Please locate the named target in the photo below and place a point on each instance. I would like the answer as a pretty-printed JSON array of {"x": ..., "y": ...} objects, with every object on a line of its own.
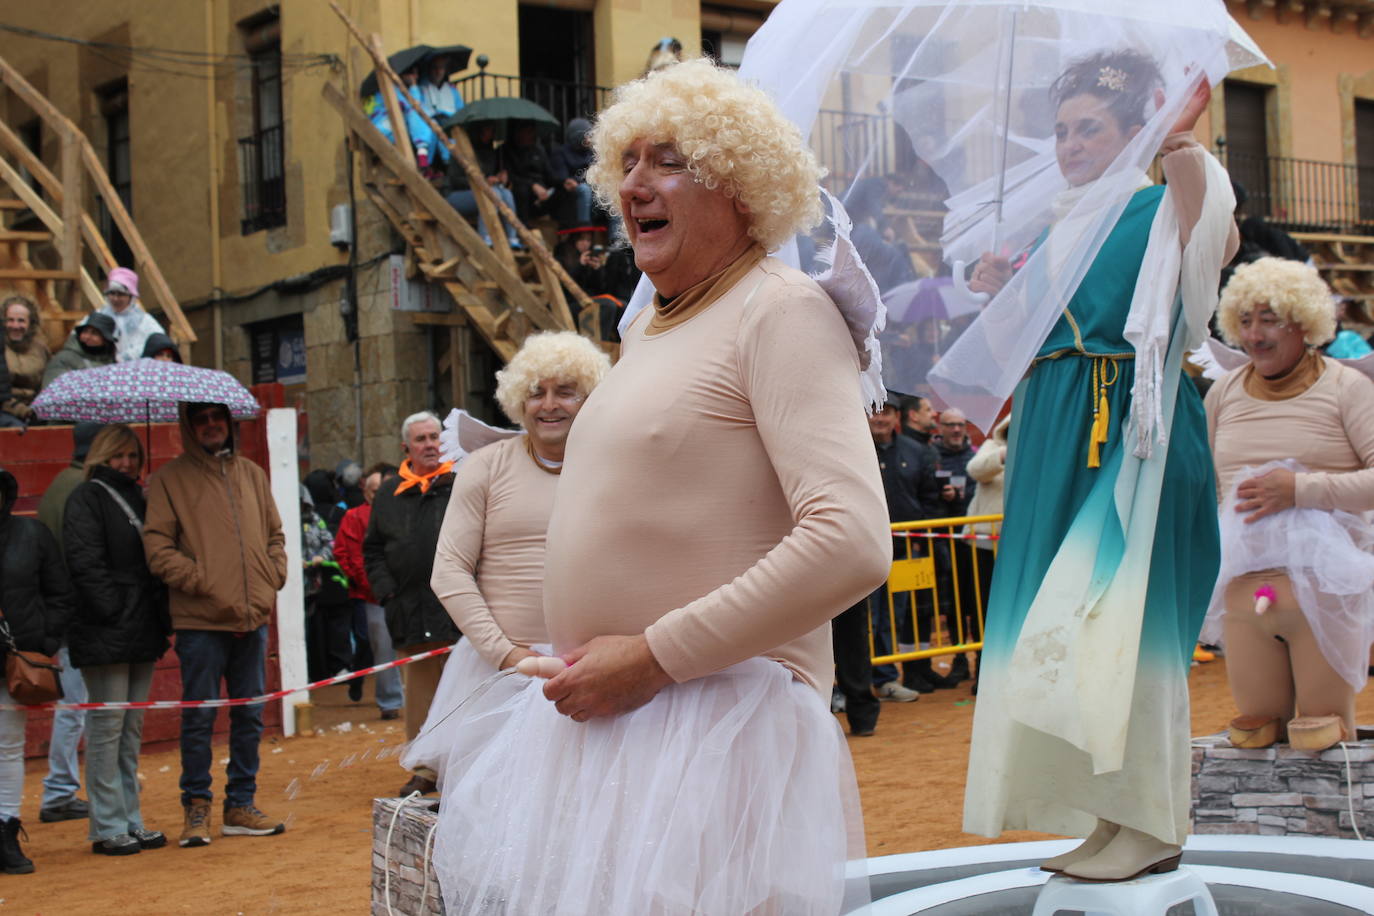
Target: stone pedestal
[
  {"x": 406, "y": 863},
  {"x": 1277, "y": 791}
]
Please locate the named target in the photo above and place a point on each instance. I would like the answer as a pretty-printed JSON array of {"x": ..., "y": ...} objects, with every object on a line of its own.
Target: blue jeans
[
  {"x": 882, "y": 630},
  {"x": 390, "y": 694},
  {"x": 465, "y": 202},
  {"x": 113, "y": 740},
  {"x": 240, "y": 659},
  {"x": 64, "y": 767}
]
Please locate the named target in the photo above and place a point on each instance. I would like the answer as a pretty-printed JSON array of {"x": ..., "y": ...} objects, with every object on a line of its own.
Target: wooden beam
[
  {"x": 71, "y": 212},
  {"x": 485, "y": 208},
  {"x": 34, "y": 273},
  {"x": 30, "y": 197},
  {"x": 448, "y": 319},
  {"x": 399, "y": 132}
]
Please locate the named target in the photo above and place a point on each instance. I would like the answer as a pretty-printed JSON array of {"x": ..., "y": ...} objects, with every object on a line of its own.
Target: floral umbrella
[{"x": 145, "y": 390}]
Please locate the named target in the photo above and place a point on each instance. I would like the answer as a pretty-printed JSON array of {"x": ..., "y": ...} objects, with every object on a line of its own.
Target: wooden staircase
[
  {"x": 51, "y": 248},
  {"x": 502, "y": 294},
  {"x": 1345, "y": 262}
]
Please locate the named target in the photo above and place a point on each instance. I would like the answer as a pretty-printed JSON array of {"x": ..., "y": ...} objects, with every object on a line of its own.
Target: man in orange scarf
[{"x": 398, "y": 552}]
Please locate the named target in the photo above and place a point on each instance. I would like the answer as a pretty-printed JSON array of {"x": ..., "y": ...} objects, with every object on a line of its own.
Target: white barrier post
[{"x": 286, "y": 490}]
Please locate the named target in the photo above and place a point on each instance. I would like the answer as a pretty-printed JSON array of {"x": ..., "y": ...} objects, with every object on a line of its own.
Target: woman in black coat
[
  {"x": 118, "y": 632},
  {"x": 36, "y": 600}
]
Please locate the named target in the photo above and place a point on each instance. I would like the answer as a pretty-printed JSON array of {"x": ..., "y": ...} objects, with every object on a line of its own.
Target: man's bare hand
[
  {"x": 1267, "y": 494},
  {"x": 606, "y": 677}
]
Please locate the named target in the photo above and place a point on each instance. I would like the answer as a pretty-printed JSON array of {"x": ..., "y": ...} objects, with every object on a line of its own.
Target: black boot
[
  {"x": 958, "y": 670},
  {"x": 12, "y": 858},
  {"x": 920, "y": 676}
]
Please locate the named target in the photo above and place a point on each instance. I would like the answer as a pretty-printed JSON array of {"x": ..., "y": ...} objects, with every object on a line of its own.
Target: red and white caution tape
[{"x": 237, "y": 701}]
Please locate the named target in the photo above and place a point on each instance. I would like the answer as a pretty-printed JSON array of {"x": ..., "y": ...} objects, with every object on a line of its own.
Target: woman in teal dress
[{"x": 1107, "y": 560}]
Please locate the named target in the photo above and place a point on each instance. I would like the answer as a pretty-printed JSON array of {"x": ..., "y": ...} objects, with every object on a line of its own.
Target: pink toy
[
  {"x": 540, "y": 666},
  {"x": 1264, "y": 598}
]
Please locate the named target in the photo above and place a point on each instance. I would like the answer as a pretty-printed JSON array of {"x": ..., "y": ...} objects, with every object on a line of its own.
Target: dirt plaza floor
[{"x": 911, "y": 775}]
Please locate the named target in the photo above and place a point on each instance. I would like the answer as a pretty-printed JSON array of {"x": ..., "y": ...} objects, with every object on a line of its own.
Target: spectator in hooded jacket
[
  {"x": 133, "y": 325},
  {"x": 26, "y": 356},
  {"x": 117, "y": 634},
  {"x": 36, "y": 600},
  {"x": 91, "y": 344},
  {"x": 214, "y": 536},
  {"x": 531, "y": 174},
  {"x": 398, "y": 551},
  {"x": 160, "y": 346},
  {"x": 348, "y": 550}
]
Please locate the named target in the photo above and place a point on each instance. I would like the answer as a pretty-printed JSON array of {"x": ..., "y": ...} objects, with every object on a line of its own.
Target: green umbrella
[{"x": 500, "y": 112}]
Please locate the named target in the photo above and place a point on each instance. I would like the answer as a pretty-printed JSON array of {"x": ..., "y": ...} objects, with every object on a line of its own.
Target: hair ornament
[{"x": 1112, "y": 78}]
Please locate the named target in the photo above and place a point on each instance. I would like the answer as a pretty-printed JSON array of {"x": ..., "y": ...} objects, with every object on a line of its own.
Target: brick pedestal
[
  {"x": 407, "y": 857},
  {"x": 1277, "y": 791}
]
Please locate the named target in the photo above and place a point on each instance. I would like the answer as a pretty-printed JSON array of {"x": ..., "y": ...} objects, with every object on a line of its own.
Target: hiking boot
[
  {"x": 149, "y": 839},
  {"x": 247, "y": 820},
  {"x": 197, "y": 829},
  {"x": 122, "y": 845},
  {"x": 12, "y": 858},
  {"x": 389, "y": 714},
  {"x": 73, "y": 809}
]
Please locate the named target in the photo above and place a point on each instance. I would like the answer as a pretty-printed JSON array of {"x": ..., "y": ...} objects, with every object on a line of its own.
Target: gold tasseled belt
[{"x": 1105, "y": 373}]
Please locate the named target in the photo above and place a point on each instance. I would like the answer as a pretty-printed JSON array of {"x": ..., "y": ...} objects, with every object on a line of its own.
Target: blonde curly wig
[
  {"x": 734, "y": 137},
  {"x": 562, "y": 355},
  {"x": 1293, "y": 291}
]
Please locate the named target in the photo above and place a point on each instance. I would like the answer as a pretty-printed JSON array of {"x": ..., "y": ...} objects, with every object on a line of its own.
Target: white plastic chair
[{"x": 1149, "y": 896}]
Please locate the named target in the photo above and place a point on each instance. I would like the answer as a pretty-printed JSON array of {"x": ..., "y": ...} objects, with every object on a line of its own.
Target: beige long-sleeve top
[
  {"x": 1329, "y": 428},
  {"x": 721, "y": 493},
  {"x": 489, "y": 564}
]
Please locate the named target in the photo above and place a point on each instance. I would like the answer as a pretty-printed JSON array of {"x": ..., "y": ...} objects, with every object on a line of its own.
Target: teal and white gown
[{"x": 1103, "y": 578}]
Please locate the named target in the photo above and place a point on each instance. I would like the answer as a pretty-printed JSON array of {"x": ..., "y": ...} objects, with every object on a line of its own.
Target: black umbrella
[
  {"x": 457, "y": 59},
  {"x": 501, "y": 111},
  {"x": 401, "y": 61}
]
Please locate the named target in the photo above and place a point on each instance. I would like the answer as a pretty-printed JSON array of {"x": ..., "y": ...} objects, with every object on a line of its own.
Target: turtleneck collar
[
  {"x": 1302, "y": 376},
  {"x": 695, "y": 299}
]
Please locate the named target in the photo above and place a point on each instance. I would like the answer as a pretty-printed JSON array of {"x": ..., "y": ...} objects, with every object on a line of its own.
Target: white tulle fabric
[
  {"x": 464, "y": 673},
  {"x": 730, "y": 794},
  {"x": 1329, "y": 558}
]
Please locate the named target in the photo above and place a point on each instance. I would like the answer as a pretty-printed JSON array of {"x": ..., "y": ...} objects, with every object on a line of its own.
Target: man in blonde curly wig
[
  {"x": 489, "y": 563},
  {"x": 720, "y": 504}
]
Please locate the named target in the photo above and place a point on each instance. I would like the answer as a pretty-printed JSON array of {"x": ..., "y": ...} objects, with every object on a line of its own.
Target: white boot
[
  {"x": 1130, "y": 854},
  {"x": 1095, "y": 843}
]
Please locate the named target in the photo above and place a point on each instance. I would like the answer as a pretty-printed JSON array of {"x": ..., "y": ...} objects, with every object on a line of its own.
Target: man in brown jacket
[{"x": 214, "y": 536}]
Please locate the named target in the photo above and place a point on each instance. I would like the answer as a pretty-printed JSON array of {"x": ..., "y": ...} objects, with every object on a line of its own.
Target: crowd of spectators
[{"x": 119, "y": 331}]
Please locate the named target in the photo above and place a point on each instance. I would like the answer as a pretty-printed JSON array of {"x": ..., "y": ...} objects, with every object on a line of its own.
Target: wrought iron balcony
[{"x": 1305, "y": 195}]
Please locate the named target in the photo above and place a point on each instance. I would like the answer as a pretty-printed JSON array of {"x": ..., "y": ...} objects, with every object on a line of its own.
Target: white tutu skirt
[
  {"x": 1329, "y": 558},
  {"x": 732, "y": 794},
  {"x": 464, "y": 673}
]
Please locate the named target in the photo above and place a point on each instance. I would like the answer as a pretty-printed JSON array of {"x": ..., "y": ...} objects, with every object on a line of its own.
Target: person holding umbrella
[
  {"x": 437, "y": 95},
  {"x": 1029, "y": 770},
  {"x": 117, "y": 634}
]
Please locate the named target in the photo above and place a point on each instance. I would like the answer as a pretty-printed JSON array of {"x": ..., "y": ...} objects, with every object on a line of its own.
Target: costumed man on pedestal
[{"x": 1292, "y": 432}]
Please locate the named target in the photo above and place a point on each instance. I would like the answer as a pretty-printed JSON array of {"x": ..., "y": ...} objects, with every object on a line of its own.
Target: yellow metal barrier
[{"x": 917, "y": 573}]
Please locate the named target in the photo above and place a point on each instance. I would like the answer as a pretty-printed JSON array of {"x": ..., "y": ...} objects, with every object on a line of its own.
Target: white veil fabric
[{"x": 941, "y": 113}]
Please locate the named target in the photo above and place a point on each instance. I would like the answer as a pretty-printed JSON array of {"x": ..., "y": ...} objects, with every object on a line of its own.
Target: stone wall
[
  {"x": 407, "y": 858},
  {"x": 1277, "y": 791}
]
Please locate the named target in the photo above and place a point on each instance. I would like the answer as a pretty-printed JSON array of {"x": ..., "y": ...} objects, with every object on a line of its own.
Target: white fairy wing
[
  {"x": 463, "y": 433},
  {"x": 847, "y": 281}
]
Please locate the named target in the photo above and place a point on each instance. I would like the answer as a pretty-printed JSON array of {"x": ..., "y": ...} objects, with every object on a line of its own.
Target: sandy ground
[{"x": 911, "y": 776}]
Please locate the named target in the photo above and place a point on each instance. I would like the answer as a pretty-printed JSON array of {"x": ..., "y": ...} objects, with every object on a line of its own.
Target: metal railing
[
  {"x": 851, "y": 145},
  {"x": 262, "y": 172},
  {"x": 564, "y": 100},
  {"x": 941, "y": 581},
  {"x": 1305, "y": 195}
]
